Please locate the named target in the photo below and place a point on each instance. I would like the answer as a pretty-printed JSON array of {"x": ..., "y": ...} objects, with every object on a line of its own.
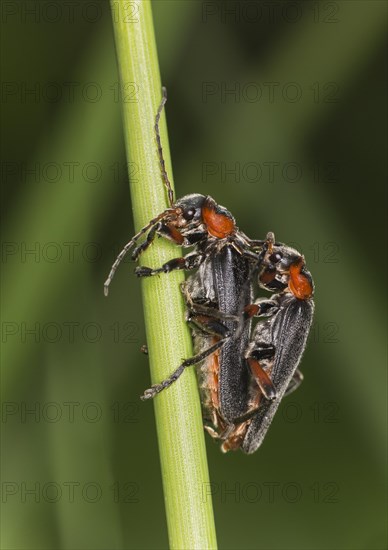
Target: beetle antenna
[
  {"x": 129, "y": 245},
  {"x": 166, "y": 181}
]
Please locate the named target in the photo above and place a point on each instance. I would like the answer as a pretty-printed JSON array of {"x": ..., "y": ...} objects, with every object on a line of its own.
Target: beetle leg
[
  {"x": 262, "y": 379},
  {"x": 260, "y": 308},
  {"x": 211, "y": 311},
  {"x": 295, "y": 382},
  {"x": 191, "y": 261},
  {"x": 218, "y": 427},
  {"x": 157, "y": 388},
  {"x": 212, "y": 432},
  {"x": 255, "y": 356},
  {"x": 168, "y": 231},
  {"x": 143, "y": 246},
  {"x": 233, "y": 436},
  {"x": 144, "y": 349},
  {"x": 208, "y": 325}
]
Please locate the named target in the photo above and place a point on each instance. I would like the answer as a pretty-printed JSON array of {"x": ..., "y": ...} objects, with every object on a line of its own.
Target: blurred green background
[{"x": 277, "y": 110}]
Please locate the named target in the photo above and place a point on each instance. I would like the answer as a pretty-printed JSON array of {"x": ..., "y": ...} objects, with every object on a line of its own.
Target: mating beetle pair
[{"x": 242, "y": 377}]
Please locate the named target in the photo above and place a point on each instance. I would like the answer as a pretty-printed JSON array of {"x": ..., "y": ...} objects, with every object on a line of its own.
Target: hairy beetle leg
[
  {"x": 210, "y": 326},
  {"x": 157, "y": 388},
  {"x": 162, "y": 230},
  {"x": 143, "y": 246},
  {"x": 191, "y": 261}
]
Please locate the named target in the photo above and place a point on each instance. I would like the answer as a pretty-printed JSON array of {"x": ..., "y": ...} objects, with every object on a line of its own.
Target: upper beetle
[{"x": 216, "y": 296}]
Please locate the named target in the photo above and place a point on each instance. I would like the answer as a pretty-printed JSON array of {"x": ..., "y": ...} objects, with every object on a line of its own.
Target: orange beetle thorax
[
  {"x": 218, "y": 224},
  {"x": 299, "y": 284}
]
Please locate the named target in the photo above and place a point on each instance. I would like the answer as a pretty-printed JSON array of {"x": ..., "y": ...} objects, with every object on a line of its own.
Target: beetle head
[{"x": 284, "y": 269}]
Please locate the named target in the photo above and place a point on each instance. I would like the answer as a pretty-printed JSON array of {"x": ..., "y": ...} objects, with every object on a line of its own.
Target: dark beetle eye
[
  {"x": 275, "y": 258},
  {"x": 188, "y": 214}
]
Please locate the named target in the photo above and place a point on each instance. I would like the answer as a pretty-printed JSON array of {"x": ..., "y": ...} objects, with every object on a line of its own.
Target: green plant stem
[{"x": 178, "y": 414}]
